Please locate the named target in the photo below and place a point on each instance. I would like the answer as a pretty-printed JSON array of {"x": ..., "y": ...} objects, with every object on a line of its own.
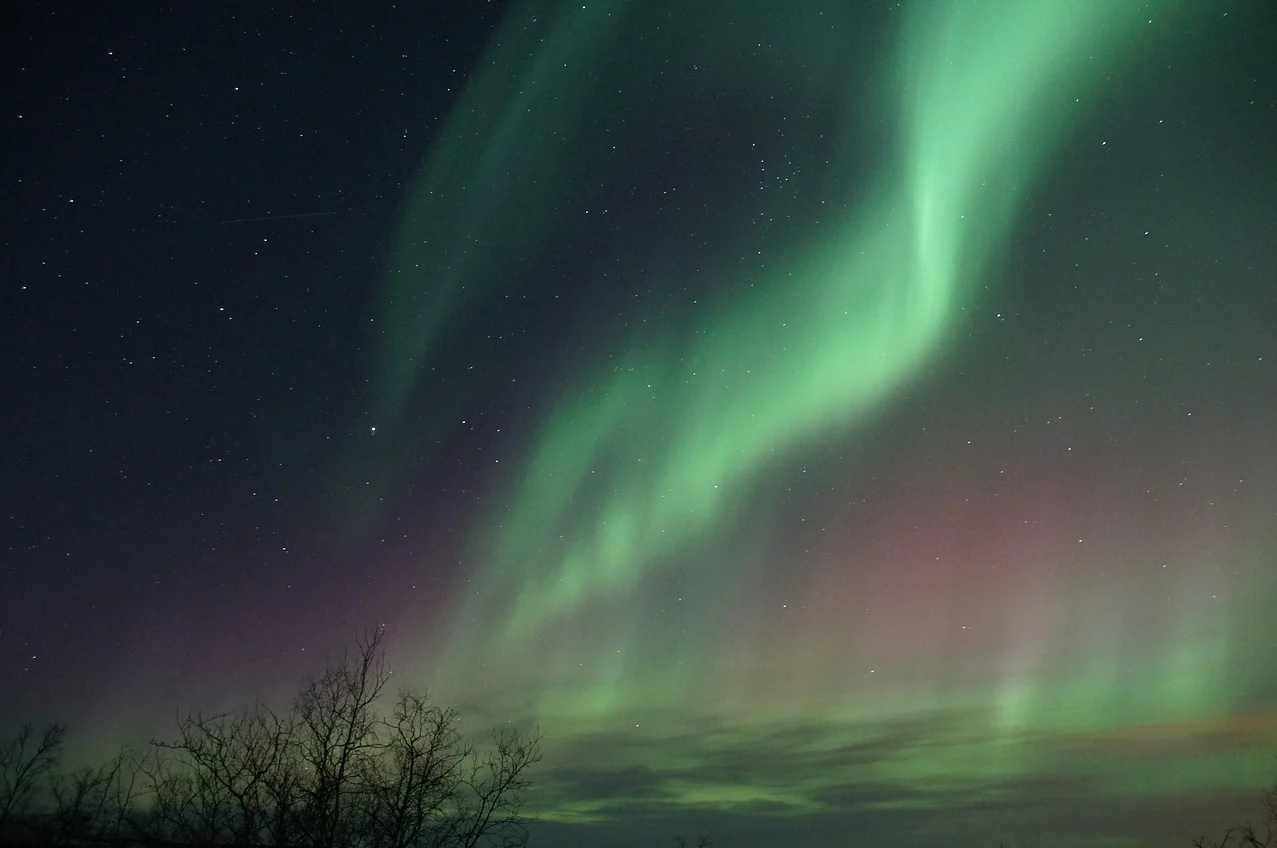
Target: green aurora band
[{"x": 648, "y": 465}]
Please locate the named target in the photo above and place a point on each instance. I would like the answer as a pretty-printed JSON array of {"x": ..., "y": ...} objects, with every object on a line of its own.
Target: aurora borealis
[{"x": 830, "y": 423}]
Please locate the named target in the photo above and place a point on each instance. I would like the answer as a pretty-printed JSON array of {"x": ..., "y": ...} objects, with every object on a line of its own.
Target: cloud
[
  {"x": 776, "y": 770},
  {"x": 600, "y": 783},
  {"x": 913, "y": 778},
  {"x": 1206, "y": 737}
]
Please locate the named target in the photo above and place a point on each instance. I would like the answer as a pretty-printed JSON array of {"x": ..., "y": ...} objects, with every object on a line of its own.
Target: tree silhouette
[
  {"x": 97, "y": 803},
  {"x": 701, "y": 842},
  {"x": 334, "y": 772},
  {"x": 26, "y": 761},
  {"x": 1248, "y": 836}
]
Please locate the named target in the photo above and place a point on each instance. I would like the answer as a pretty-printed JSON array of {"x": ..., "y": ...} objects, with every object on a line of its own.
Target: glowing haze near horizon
[{"x": 800, "y": 524}]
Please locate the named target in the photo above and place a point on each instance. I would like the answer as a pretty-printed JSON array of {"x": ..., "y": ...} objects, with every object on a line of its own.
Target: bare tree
[
  {"x": 701, "y": 842},
  {"x": 337, "y": 741},
  {"x": 226, "y": 778},
  {"x": 486, "y": 805},
  {"x": 25, "y": 761},
  {"x": 97, "y": 802},
  {"x": 333, "y": 772},
  {"x": 1248, "y": 836},
  {"x": 187, "y": 804},
  {"x": 419, "y": 774}
]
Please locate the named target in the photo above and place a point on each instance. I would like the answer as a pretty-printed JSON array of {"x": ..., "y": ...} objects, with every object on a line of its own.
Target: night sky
[{"x": 833, "y": 424}]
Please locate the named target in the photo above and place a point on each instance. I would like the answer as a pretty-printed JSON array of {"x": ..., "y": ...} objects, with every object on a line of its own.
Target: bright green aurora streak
[{"x": 647, "y": 460}]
